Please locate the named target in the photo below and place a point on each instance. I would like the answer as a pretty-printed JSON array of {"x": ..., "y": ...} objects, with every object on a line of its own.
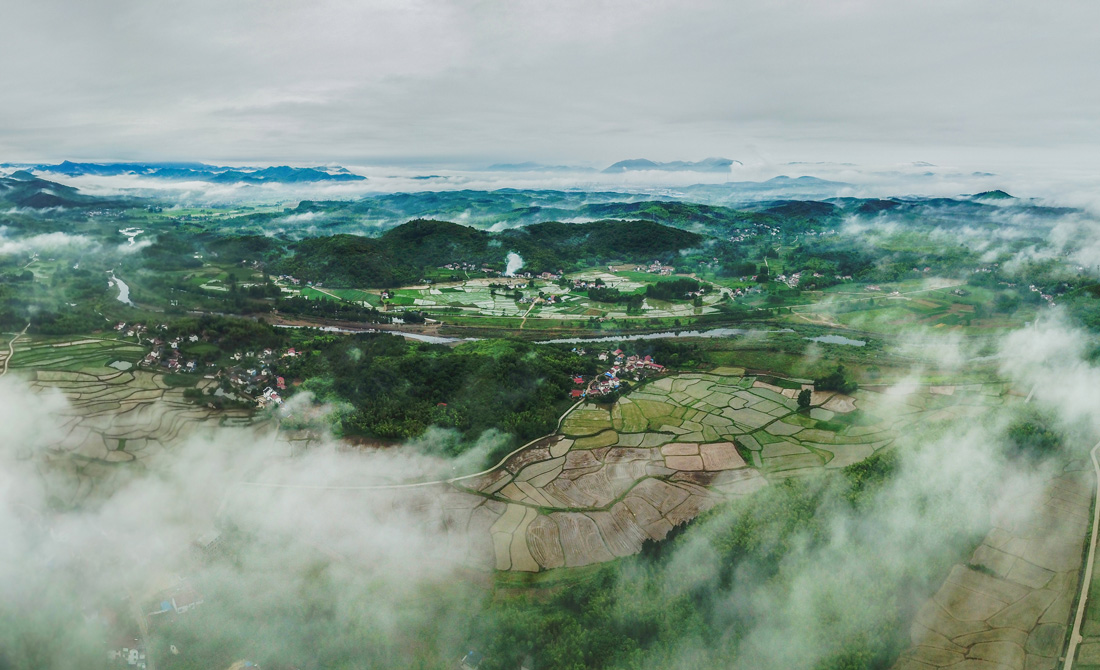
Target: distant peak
[
  {"x": 712, "y": 164},
  {"x": 993, "y": 195}
]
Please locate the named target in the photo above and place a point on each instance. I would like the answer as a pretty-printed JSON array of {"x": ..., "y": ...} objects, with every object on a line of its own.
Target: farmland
[
  {"x": 114, "y": 418},
  {"x": 616, "y": 476}
]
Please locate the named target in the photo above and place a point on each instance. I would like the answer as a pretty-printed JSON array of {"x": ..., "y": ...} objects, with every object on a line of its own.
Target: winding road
[{"x": 11, "y": 350}]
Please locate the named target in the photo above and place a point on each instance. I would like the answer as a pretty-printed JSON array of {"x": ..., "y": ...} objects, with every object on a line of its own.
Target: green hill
[{"x": 403, "y": 254}]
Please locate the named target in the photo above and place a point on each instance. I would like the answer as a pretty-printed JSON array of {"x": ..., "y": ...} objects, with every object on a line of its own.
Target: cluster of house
[
  {"x": 611, "y": 379},
  {"x": 253, "y": 377},
  {"x": 544, "y": 298},
  {"x": 258, "y": 380},
  {"x": 754, "y": 231},
  {"x": 469, "y": 267},
  {"x": 271, "y": 396},
  {"x": 134, "y": 330},
  {"x": 794, "y": 279},
  {"x": 656, "y": 268},
  {"x": 127, "y": 650},
  {"x": 109, "y": 213},
  {"x": 287, "y": 279},
  {"x": 179, "y": 599},
  {"x": 744, "y": 292},
  {"x": 121, "y": 637},
  {"x": 1049, "y": 298},
  {"x": 165, "y": 354}
]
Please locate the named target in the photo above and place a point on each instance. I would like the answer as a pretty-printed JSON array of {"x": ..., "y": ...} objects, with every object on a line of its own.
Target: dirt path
[
  {"x": 331, "y": 295},
  {"x": 1086, "y": 581},
  {"x": 11, "y": 350},
  {"x": 524, "y": 321}
]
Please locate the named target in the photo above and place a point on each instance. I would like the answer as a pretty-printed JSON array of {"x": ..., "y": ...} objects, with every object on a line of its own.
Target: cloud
[
  {"x": 465, "y": 82},
  {"x": 43, "y": 242},
  {"x": 363, "y": 557}
]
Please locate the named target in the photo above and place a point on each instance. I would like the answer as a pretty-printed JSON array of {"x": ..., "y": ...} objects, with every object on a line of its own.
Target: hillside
[{"x": 404, "y": 253}]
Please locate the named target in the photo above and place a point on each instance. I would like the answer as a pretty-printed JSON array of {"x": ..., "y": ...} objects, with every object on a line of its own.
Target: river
[
  {"x": 714, "y": 332},
  {"x": 123, "y": 289},
  {"x": 431, "y": 339}
]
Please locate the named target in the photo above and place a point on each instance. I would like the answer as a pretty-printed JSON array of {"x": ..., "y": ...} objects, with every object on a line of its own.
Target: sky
[{"x": 585, "y": 82}]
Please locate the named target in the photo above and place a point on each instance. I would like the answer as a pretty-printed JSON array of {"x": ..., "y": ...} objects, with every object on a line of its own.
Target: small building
[{"x": 471, "y": 661}]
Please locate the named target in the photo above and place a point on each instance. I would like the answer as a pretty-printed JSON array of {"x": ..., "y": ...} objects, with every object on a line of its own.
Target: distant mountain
[
  {"x": 200, "y": 172},
  {"x": 531, "y": 166},
  {"x": 705, "y": 165},
  {"x": 22, "y": 189},
  {"x": 993, "y": 195}
]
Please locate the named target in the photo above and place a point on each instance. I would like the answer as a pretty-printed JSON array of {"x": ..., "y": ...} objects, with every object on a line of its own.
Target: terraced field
[
  {"x": 111, "y": 417},
  {"x": 616, "y": 476},
  {"x": 92, "y": 354},
  {"x": 611, "y": 478}
]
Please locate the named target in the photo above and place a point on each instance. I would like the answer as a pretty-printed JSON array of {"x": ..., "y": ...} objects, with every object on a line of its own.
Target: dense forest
[
  {"x": 403, "y": 254},
  {"x": 398, "y": 388}
]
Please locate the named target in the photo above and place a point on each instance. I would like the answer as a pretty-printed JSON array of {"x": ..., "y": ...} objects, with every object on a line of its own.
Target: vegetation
[
  {"x": 404, "y": 254},
  {"x": 838, "y": 380},
  {"x": 398, "y": 388},
  {"x": 625, "y": 612}
]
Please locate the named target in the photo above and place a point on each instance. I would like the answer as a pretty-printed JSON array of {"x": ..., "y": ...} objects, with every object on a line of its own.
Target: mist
[
  {"x": 364, "y": 559},
  {"x": 512, "y": 264}
]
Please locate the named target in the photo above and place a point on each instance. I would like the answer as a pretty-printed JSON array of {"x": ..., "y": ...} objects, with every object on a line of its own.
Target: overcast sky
[{"x": 583, "y": 82}]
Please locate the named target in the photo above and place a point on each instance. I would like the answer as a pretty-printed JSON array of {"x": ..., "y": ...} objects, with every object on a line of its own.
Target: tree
[
  {"x": 804, "y": 398},
  {"x": 838, "y": 380}
]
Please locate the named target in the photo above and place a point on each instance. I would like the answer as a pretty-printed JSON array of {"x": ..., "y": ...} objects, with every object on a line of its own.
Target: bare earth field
[{"x": 1009, "y": 608}]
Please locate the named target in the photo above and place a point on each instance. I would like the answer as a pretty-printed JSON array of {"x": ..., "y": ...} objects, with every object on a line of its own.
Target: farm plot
[
  {"x": 84, "y": 354},
  {"x": 1009, "y": 605},
  {"x": 475, "y": 297},
  {"x": 112, "y": 420},
  {"x": 618, "y": 475}
]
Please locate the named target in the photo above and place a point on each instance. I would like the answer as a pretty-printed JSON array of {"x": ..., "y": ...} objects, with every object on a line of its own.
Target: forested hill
[
  {"x": 22, "y": 189},
  {"x": 402, "y": 254}
]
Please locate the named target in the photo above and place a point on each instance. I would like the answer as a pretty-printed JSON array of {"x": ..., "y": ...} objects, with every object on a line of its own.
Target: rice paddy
[
  {"x": 616, "y": 476},
  {"x": 111, "y": 418}
]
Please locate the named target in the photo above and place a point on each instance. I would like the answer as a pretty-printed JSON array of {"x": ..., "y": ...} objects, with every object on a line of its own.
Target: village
[
  {"x": 611, "y": 380},
  {"x": 249, "y": 378}
]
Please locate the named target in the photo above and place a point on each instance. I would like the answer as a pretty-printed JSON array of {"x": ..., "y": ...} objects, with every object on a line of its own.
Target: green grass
[{"x": 179, "y": 380}]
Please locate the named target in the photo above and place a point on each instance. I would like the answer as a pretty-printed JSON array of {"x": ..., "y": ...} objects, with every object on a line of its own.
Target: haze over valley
[{"x": 517, "y": 336}]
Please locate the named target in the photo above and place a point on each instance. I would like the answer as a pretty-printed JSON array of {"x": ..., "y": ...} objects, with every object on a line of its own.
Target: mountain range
[
  {"x": 197, "y": 172},
  {"x": 705, "y": 165}
]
